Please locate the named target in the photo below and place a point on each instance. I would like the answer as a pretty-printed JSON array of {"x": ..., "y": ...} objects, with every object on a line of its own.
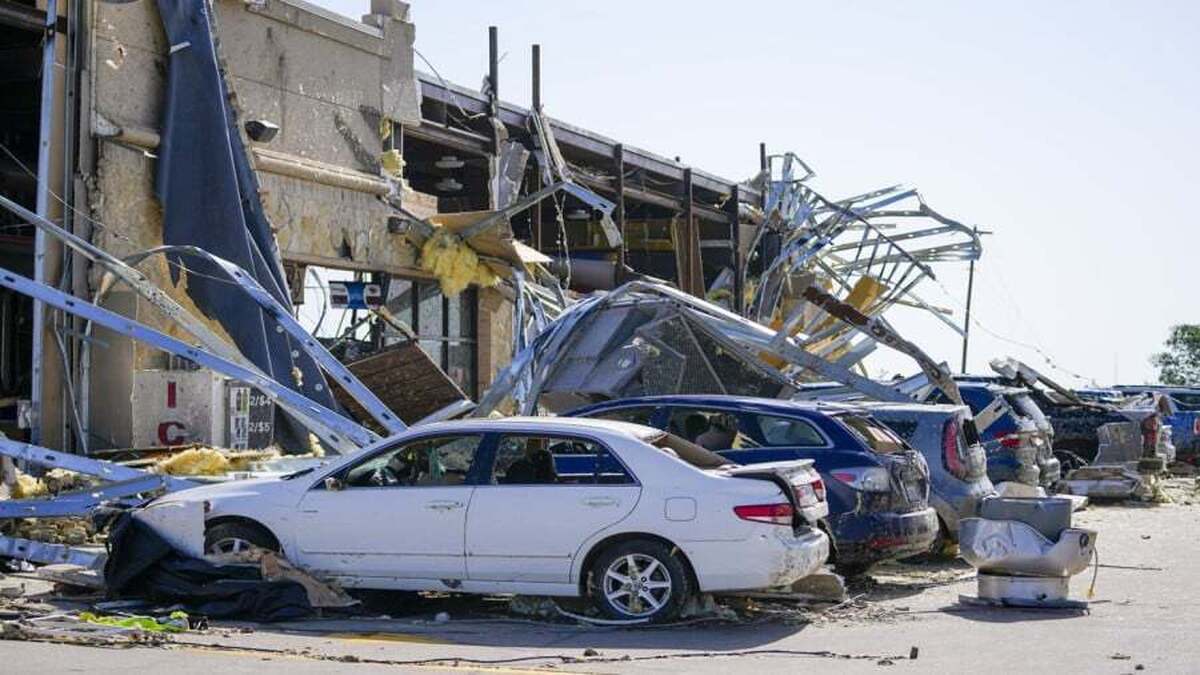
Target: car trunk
[
  {"x": 797, "y": 479},
  {"x": 907, "y": 468}
]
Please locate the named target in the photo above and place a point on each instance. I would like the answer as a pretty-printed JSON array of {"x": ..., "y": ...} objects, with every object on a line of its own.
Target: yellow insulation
[
  {"x": 454, "y": 263},
  {"x": 27, "y": 486},
  {"x": 194, "y": 462},
  {"x": 392, "y": 162}
]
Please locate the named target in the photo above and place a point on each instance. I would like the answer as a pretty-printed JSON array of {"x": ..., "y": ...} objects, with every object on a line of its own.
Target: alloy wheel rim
[
  {"x": 227, "y": 545},
  {"x": 637, "y": 585}
]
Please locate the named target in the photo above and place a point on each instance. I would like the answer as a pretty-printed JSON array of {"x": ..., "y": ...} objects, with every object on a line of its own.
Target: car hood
[{"x": 236, "y": 489}]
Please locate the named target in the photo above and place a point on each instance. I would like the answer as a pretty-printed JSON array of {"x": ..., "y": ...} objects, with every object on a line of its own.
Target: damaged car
[
  {"x": 1017, "y": 437},
  {"x": 945, "y": 435},
  {"x": 636, "y": 519},
  {"x": 877, "y": 486}
]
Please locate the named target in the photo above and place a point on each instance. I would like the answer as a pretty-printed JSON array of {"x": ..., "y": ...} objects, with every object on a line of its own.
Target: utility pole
[{"x": 970, "y": 291}]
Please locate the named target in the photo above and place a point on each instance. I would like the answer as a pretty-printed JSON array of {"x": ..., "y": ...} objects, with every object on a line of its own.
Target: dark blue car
[
  {"x": 1016, "y": 436},
  {"x": 876, "y": 485}
]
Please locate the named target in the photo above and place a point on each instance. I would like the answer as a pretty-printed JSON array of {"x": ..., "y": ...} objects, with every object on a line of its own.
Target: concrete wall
[{"x": 324, "y": 80}]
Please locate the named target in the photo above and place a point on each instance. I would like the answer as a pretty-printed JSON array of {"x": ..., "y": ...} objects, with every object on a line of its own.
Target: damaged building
[{"x": 305, "y": 148}]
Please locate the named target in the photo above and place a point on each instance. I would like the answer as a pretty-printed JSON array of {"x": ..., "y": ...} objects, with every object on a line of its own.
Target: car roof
[
  {"x": 918, "y": 408},
  {"x": 564, "y": 425},
  {"x": 749, "y": 403}
]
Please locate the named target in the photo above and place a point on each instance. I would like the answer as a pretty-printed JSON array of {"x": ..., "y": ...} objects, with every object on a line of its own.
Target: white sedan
[{"x": 633, "y": 517}]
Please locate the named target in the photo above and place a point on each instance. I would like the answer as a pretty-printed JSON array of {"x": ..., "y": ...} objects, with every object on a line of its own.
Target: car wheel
[
  {"x": 851, "y": 570},
  {"x": 235, "y": 537},
  {"x": 639, "y": 579},
  {"x": 944, "y": 547}
]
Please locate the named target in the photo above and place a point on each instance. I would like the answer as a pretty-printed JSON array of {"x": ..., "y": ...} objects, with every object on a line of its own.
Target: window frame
[
  {"x": 762, "y": 436},
  {"x": 411, "y": 316},
  {"x": 487, "y": 476},
  {"x": 747, "y": 426},
  {"x": 654, "y": 420},
  {"x": 472, "y": 476}
]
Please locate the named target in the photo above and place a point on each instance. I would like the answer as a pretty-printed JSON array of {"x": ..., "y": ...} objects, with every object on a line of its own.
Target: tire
[
  {"x": 669, "y": 583},
  {"x": 235, "y": 537},
  {"x": 851, "y": 570},
  {"x": 945, "y": 547}
]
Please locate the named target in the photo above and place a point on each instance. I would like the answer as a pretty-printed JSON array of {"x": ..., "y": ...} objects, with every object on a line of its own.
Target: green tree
[{"x": 1180, "y": 362}]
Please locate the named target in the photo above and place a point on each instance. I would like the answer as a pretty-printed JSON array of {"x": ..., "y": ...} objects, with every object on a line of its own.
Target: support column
[
  {"x": 691, "y": 275},
  {"x": 619, "y": 211},
  {"x": 535, "y": 215},
  {"x": 735, "y": 238}
]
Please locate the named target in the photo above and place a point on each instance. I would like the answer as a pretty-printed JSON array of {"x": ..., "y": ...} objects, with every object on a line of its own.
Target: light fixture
[
  {"x": 450, "y": 162},
  {"x": 448, "y": 185},
  {"x": 261, "y": 131},
  {"x": 579, "y": 214}
]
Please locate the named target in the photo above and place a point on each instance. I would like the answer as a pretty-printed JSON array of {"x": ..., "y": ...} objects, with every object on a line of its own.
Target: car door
[
  {"x": 543, "y": 498},
  {"x": 399, "y": 513}
]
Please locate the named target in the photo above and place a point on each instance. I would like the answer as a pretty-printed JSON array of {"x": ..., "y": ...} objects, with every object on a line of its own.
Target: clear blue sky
[{"x": 1068, "y": 128}]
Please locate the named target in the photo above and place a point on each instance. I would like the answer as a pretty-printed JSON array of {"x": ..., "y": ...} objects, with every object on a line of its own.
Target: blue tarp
[{"x": 209, "y": 196}]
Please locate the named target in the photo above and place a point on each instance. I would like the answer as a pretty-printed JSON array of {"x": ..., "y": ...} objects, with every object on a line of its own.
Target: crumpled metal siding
[{"x": 209, "y": 196}]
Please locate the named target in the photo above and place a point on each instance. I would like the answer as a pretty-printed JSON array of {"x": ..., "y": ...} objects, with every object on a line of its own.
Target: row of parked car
[{"x": 640, "y": 503}]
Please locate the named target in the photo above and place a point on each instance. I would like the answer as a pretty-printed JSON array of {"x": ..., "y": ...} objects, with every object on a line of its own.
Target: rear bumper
[
  {"x": 1051, "y": 470},
  {"x": 777, "y": 557},
  {"x": 1019, "y": 465},
  {"x": 959, "y": 500},
  {"x": 864, "y": 539}
]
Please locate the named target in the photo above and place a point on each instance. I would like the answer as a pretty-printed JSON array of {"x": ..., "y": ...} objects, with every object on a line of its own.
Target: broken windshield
[{"x": 880, "y": 439}]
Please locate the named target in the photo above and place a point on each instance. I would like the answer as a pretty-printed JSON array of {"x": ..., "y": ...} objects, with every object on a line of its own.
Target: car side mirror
[{"x": 334, "y": 484}]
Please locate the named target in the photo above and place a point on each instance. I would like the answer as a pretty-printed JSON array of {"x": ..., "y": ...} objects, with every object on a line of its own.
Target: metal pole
[
  {"x": 619, "y": 211},
  {"x": 46, "y": 133},
  {"x": 494, "y": 64},
  {"x": 535, "y": 216},
  {"x": 967, "y": 318},
  {"x": 537, "y": 78},
  {"x": 735, "y": 241}
]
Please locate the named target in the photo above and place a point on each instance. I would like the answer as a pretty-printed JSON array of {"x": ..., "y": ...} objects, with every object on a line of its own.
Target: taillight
[
  {"x": 866, "y": 479},
  {"x": 809, "y": 493},
  {"x": 1011, "y": 441},
  {"x": 950, "y": 456},
  {"x": 1196, "y": 426},
  {"x": 774, "y": 514}
]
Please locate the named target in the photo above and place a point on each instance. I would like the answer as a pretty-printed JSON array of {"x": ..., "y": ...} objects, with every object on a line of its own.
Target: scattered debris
[{"x": 1026, "y": 552}]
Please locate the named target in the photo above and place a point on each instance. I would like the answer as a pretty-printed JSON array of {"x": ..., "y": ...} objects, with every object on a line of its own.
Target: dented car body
[
  {"x": 878, "y": 487},
  {"x": 1017, "y": 437},
  {"x": 945, "y": 436},
  {"x": 629, "y": 515}
]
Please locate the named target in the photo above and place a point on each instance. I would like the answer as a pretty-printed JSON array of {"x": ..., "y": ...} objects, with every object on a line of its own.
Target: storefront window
[{"x": 445, "y": 327}]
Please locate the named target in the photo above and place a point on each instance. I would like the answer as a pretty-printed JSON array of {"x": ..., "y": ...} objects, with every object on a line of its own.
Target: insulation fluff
[
  {"x": 454, "y": 263},
  {"x": 194, "y": 462}
]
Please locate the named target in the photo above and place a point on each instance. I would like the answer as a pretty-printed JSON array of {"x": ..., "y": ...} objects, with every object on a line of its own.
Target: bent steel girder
[
  {"x": 267, "y": 303},
  {"x": 871, "y": 250},
  {"x": 340, "y": 432},
  {"x": 139, "y": 282}
]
